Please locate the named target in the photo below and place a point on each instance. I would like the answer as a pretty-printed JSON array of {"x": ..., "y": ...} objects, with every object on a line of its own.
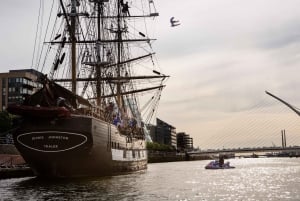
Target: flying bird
[{"x": 174, "y": 22}]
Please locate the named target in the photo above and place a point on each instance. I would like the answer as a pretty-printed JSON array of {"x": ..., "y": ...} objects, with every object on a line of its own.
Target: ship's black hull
[{"x": 78, "y": 146}]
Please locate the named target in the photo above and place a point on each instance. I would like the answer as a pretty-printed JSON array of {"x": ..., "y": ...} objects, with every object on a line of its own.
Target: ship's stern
[{"x": 55, "y": 147}]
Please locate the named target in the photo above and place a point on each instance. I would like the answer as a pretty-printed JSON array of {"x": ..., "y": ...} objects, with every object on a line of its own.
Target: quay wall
[
  {"x": 8, "y": 149},
  {"x": 15, "y": 172},
  {"x": 159, "y": 157}
]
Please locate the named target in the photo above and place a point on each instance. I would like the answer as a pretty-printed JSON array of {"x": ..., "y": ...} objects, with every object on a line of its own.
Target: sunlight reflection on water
[{"x": 252, "y": 179}]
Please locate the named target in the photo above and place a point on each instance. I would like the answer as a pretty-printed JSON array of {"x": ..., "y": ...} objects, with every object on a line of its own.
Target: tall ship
[{"x": 101, "y": 87}]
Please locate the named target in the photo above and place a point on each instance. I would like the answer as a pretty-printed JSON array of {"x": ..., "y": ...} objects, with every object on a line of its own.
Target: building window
[
  {"x": 25, "y": 91},
  {"x": 11, "y": 89},
  {"x": 3, "y": 101},
  {"x": 3, "y": 82},
  {"x": 11, "y": 80}
]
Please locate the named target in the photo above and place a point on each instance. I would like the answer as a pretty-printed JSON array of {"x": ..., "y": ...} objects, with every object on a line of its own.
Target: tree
[
  {"x": 159, "y": 147},
  {"x": 5, "y": 122}
]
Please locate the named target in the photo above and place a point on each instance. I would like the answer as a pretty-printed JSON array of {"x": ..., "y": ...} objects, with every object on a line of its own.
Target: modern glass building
[
  {"x": 184, "y": 142},
  {"x": 163, "y": 133},
  {"x": 17, "y": 84}
]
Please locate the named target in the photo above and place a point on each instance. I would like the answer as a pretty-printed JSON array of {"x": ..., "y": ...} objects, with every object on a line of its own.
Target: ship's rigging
[
  {"x": 86, "y": 119},
  {"x": 102, "y": 53}
]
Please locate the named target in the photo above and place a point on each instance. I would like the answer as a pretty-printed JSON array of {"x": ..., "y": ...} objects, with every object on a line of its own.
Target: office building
[
  {"x": 163, "y": 133},
  {"x": 184, "y": 142},
  {"x": 17, "y": 84}
]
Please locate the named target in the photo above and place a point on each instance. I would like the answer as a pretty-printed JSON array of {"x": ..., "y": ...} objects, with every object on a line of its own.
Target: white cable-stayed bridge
[{"x": 257, "y": 126}]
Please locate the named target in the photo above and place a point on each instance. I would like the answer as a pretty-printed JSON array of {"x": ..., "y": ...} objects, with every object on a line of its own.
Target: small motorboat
[{"x": 217, "y": 165}]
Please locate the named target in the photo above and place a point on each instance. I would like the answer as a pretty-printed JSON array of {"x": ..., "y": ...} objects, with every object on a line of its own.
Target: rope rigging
[{"x": 56, "y": 54}]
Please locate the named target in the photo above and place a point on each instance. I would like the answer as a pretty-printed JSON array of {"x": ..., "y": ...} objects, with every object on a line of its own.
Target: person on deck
[
  {"x": 117, "y": 120},
  {"x": 221, "y": 160},
  {"x": 125, "y": 8}
]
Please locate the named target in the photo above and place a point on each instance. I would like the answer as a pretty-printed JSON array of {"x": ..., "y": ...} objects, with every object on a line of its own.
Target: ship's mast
[
  {"x": 73, "y": 47},
  {"x": 104, "y": 65},
  {"x": 98, "y": 66},
  {"x": 119, "y": 39}
]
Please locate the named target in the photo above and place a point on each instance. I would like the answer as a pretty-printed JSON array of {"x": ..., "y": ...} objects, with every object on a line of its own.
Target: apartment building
[{"x": 17, "y": 84}]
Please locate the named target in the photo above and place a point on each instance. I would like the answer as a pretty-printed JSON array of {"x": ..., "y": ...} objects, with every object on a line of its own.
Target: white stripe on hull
[{"x": 128, "y": 155}]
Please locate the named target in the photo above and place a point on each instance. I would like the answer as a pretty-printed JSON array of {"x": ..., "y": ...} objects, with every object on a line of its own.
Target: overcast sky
[{"x": 221, "y": 59}]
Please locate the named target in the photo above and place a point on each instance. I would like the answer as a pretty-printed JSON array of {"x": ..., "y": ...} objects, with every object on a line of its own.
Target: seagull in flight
[{"x": 174, "y": 22}]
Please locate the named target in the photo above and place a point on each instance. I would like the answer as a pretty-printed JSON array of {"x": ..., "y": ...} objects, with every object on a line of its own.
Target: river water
[{"x": 252, "y": 179}]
